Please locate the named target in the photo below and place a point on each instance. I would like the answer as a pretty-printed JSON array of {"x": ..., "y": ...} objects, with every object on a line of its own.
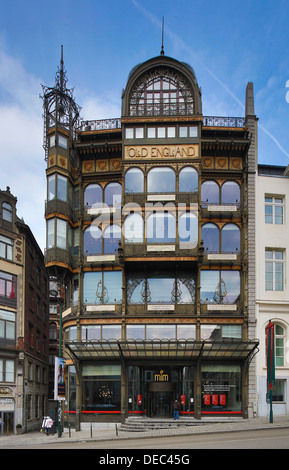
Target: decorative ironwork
[
  {"x": 161, "y": 92},
  {"x": 101, "y": 294},
  {"x": 220, "y": 293},
  {"x": 218, "y": 121},
  {"x": 59, "y": 106},
  {"x": 100, "y": 125}
]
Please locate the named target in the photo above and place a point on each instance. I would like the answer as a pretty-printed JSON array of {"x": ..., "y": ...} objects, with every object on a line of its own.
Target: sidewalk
[{"x": 101, "y": 434}]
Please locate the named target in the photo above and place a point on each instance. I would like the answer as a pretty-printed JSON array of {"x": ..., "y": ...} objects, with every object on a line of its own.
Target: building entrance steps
[{"x": 142, "y": 424}]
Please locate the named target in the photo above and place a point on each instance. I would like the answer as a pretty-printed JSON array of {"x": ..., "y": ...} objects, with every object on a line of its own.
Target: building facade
[
  {"x": 151, "y": 234},
  {"x": 272, "y": 294},
  {"x": 23, "y": 323}
]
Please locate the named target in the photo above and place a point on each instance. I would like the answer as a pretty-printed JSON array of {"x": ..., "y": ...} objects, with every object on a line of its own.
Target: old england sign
[{"x": 161, "y": 151}]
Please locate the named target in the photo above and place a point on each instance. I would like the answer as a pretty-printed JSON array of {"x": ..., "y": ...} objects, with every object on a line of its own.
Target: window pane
[
  {"x": 232, "y": 285},
  {"x": 112, "y": 236},
  {"x": 135, "y": 332},
  {"x": 151, "y": 132},
  {"x": 50, "y": 233},
  {"x": 161, "y": 132},
  {"x": 188, "y": 230},
  {"x": 111, "y": 331},
  {"x": 92, "y": 241},
  {"x": 133, "y": 228},
  {"x": 61, "y": 234},
  {"x": 210, "y": 192},
  {"x": 161, "y": 228},
  {"x": 112, "y": 284},
  {"x": 230, "y": 238},
  {"x": 139, "y": 132},
  {"x": 161, "y": 180},
  {"x": 51, "y": 187},
  {"x": 134, "y": 181},
  {"x": 160, "y": 331},
  {"x": 112, "y": 194},
  {"x": 186, "y": 332},
  {"x": 209, "y": 284},
  {"x": 92, "y": 195},
  {"x": 90, "y": 284},
  {"x": 230, "y": 193},
  {"x": 161, "y": 289},
  {"x": 129, "y": 133},
  {"x": 171, "y": 132},
  {"x": 188, "y": 180},
  {"x": 210, "y": 237},
  {"x": 61, "y": 188}
]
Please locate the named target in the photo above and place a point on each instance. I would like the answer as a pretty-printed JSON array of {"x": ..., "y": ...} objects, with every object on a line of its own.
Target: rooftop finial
[
  {"x": 61, "y": 69},
  {"x": 162, "y": 50}
]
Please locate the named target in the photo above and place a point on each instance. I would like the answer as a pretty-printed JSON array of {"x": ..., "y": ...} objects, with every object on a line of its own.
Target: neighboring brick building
[{"x": 23, "y": 323}]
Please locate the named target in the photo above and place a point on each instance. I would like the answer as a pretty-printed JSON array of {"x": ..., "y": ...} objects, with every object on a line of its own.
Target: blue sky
[{"x": 228, "y": 43}]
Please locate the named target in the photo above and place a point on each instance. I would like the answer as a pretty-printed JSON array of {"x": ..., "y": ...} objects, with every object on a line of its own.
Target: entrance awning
[{"x": 161, "y": 349}]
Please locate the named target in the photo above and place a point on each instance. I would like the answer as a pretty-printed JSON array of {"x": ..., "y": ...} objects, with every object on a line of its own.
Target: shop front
[
  {"x": 206, "y": 378},
  {"x": 7, "y": 408}
]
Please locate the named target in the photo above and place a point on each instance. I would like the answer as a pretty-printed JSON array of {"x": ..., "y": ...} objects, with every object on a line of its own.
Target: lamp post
[{"x": 54, "y": 293}]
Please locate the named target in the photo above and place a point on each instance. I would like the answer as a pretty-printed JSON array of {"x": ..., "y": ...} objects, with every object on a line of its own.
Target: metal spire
[{"x": 162, "y": 50}]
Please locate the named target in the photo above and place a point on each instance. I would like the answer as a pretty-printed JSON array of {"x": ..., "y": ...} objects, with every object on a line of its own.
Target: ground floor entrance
[{"x": 6, "y": 423}]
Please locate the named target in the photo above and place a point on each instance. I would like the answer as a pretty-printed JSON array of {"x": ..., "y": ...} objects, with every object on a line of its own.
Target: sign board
[{"x": 59, "y": 379}]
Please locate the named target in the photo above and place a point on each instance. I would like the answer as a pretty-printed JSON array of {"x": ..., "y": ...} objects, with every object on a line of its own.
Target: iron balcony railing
[{"x": 115, "y": 123}]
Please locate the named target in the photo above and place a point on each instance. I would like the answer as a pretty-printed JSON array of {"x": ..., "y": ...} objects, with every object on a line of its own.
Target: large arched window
[
  {"x": 112, "y": 194},
  {"x": 230, "y": 237},
  {"x": 210, "y": 235},
  {"x": 92, "y": 241},
  {"x": 161, "y": 228},
  {"x": 210, "y": 192},
  {"x": 92, "y": 195},
  {"x": 111, "y": 238},
  {"x": 188, "y": 230},
  {"x": 230, "y": 192},
  {"x": 188, "y": 180},
  {"x": 161, "y": 180},
  {"x": 161, "y": 92},
  {"x": 133, "y": 228},
  {"x": 134, "y": 181}
]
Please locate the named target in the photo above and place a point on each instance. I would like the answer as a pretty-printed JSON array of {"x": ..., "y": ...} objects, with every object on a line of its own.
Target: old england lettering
[{"x": 161, "y": 151}]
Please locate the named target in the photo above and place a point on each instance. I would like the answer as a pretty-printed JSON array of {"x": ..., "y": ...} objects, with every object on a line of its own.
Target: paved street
[{"x": 255, "y": 433}]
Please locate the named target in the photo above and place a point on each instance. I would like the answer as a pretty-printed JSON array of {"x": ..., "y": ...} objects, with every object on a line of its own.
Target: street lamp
[{"x": 54, "y": 293}]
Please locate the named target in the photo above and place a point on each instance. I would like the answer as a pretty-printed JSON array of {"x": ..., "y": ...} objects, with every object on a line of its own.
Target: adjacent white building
[{"x": 272, "y": 282}]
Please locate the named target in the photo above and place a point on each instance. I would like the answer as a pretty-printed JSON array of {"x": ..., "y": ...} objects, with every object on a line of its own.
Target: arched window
[
  {"x": 188, "y": 230},
  {"x": 92, "y": 241},
  {"x": 161, "y": 92},
  {"x": 210, "y": 235},
  {"x": 230, "y": 193},
  {"x": 188, "y": 180},
  {"x": 279, "y": 333},
  {"x": 92, "y": 195},
  {"x": 230, "y": 236},
  {"x": 210, "y": 192},
  {"x": 7, "y": 211},
  {"x": 161, "y": 228},
  {"x": 111, "y": 238},
  {"x": 161, "y": 180},
  {"x": 134, "y": 181},
  {"x": 112, "y": 194},
  {"x": 133, "y": 228}
]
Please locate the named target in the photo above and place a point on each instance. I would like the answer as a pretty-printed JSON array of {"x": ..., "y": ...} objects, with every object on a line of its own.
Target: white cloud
[{"x": 21, "y": 152}]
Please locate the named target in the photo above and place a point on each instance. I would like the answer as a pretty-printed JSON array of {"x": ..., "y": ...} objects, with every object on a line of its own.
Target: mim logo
[{"x": 161, "y": 377}]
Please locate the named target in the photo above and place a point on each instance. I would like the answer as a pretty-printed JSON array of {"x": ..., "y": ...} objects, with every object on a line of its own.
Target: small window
[
  {"x": 171, "y": 132},
  {"x": 62, "y": 141},
  {"x": 139, "y": 132},
  {"x": 151, "y": 132},
  {"x": 92, "y": 195},
  {"x": 230, "y": 193},
  {"x": 129, "y": 133},
  {"x": 161, "y": 132},
  {"x": 230, "y": 236},
  {"x": 210, "y": 235},
  {"x": 7, "y": 211},
  {"x": 133, "y": 228},
  {"x": 274, "y": 270},
  {"x": 274, "y": 210},
  {"x": 6, "y": 248}
]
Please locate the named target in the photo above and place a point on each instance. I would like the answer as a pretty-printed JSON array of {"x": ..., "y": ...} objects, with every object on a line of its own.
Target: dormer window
[{"x": 7, "y": 211}]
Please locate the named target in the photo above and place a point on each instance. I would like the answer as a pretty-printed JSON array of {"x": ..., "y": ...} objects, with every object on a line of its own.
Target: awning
[{"x": 161, "y": 349}]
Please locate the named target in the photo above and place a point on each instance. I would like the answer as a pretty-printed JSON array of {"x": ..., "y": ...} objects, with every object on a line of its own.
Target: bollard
[
  {"x": 69, "y": 430},
  {"x": 116, "y": 430},
  {"x": 90, "y": 429}
]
